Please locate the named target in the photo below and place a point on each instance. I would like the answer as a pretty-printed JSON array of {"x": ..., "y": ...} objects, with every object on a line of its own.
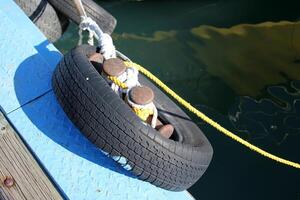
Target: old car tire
[
  {"x": 46, "y": 18},
  {"x": 104, "y": 118}
]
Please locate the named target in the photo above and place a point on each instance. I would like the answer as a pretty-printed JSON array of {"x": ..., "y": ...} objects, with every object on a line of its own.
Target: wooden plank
[{"x": 20, "y": 175}]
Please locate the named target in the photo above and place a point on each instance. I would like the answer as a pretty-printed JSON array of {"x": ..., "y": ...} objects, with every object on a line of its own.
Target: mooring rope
[{"x": 210, "y": 121}]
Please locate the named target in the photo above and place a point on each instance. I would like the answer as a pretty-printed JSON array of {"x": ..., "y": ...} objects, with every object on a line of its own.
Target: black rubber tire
[
  {"x": 110, "y": 124},
  {"x": 105, "y": 20},
  {"x": 51, "y": 23}
]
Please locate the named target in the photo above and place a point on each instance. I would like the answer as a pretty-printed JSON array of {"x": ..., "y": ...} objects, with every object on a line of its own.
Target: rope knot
[
  {"x": 125, "y": 81},
  {"x": 143, "y": 113},
  {"x": 105, "y": 41},
  {"x": 140, "y": 99}
]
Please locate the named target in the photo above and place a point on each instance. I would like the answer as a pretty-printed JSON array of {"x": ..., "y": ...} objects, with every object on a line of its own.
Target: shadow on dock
[{"x": 47, "y": 115}]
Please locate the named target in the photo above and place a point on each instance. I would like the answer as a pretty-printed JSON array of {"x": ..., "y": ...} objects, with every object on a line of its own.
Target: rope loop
[{"x": 144, "y": 111}]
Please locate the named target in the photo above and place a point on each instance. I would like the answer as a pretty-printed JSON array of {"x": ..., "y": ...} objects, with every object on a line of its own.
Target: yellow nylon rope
[
  {"x": 117, "y": 82},
  {"x": 142, "y": 113},
  {"x": 204, "y": 117}
]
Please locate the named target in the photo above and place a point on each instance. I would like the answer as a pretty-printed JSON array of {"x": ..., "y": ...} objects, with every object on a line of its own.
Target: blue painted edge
[{"x": 22, "y": 44}]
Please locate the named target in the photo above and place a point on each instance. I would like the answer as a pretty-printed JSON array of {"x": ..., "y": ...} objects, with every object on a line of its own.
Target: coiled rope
[{"x": 205, "y": 118}]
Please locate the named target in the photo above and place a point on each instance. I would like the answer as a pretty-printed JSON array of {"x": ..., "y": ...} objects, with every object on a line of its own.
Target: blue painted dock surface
[{"x": 76, "y": 166}]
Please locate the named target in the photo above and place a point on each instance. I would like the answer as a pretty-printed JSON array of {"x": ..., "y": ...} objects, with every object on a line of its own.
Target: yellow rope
[
  {"x": 143, "y": 113},
  {"x": 117, "y": 82},
  {"x": 207, "y": 119}
]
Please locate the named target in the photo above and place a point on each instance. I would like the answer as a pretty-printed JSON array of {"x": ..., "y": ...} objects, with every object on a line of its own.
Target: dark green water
[{"x": 237, "y": 61}]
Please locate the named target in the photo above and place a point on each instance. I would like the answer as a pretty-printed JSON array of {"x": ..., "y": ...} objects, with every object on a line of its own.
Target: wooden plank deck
[{"x": 20, "y": 175}]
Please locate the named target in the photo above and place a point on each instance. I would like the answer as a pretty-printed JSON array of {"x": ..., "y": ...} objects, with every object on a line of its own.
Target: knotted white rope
[
  {"x": 105, "y": 41},
  {"x": 108, "y": 50},
  {"x": 129, "y": 77},
  {"x": 149, "y": 106}
]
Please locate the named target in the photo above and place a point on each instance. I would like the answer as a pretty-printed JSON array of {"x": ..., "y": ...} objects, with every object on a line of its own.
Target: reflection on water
[
  {"x": 275, "y": 118},
  {"x": 248, "y": 56},
  {"x": 157, "y": 36},
  {"x": 238, "y": 62}
]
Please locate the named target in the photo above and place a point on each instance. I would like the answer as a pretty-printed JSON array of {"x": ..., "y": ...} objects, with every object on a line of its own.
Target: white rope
[
  {"x": 108, "y": 50},
  {"x": 80, "y": 37},
  {"x": 79, "y": 7},
  {"x": 132, "y": 78},
  {"x": 147, "y": 106},
  {"x": 105, "y": 41},
  {"x": 91, "y": 39},
  {"x": 129, "y": 77}
]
